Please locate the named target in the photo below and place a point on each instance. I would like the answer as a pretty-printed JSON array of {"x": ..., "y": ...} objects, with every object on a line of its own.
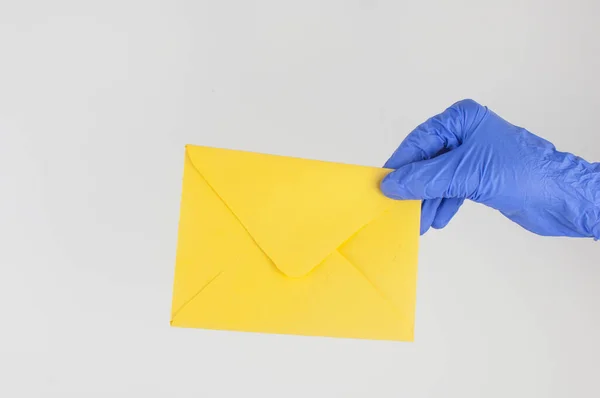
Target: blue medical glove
[{"x": 469, "y": 152}]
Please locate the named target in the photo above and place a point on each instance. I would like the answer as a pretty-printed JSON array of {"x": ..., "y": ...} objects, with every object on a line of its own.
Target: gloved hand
[{"x": 469, "y": 152}]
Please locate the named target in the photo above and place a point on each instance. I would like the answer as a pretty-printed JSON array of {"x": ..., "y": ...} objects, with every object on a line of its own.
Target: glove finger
[
  {"x": 445, "y": 176},
  {"x": 439, "y": 134},
  {"x": 428, "y": 212},
  {"x": 446, "y": 211},
  {"x": 419, "y": 145}
]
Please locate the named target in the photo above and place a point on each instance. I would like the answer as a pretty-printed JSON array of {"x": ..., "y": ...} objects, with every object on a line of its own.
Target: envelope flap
[{"x": 297, "y": 210}]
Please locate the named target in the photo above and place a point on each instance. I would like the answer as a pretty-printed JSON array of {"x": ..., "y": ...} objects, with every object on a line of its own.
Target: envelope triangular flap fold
[{"x": 297, "y": 211}]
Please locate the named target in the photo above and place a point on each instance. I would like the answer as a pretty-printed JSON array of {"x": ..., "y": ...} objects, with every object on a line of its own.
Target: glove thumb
[{"x": 440, "y": 177}]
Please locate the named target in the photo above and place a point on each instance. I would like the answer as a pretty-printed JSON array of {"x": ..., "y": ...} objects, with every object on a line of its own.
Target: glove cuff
[
  {"x": 593, "y": 193},
  {"x": 595, "y": 225}
]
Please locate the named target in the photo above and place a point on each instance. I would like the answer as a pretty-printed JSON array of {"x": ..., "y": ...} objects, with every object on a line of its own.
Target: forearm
[
  {"x": 591, "y": 186},
  {"x": 574, "y": 201}
]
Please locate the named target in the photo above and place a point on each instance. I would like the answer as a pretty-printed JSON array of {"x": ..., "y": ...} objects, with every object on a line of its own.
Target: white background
[{"x": 98, "y": 99}]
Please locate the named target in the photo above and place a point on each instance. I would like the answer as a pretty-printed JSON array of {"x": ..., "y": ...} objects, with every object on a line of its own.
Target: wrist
[
  {"x": 592, "y": 195},
  {"x": 594, "y": 222}
]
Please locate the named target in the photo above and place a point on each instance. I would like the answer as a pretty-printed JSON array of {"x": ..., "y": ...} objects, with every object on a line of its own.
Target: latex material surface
[{"x": 469, "y": 152}]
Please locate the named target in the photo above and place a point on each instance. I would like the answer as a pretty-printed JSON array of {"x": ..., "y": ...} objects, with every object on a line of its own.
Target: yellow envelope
[{"x": 293, "y": 246}]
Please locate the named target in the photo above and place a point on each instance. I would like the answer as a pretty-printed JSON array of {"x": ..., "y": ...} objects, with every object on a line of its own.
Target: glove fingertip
[
  {"x": 446, "y": 211},
  {"x": 390, "y": 187},
  {"x": 437, "y": 224},
  {"x": 428, "y": 212}
]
